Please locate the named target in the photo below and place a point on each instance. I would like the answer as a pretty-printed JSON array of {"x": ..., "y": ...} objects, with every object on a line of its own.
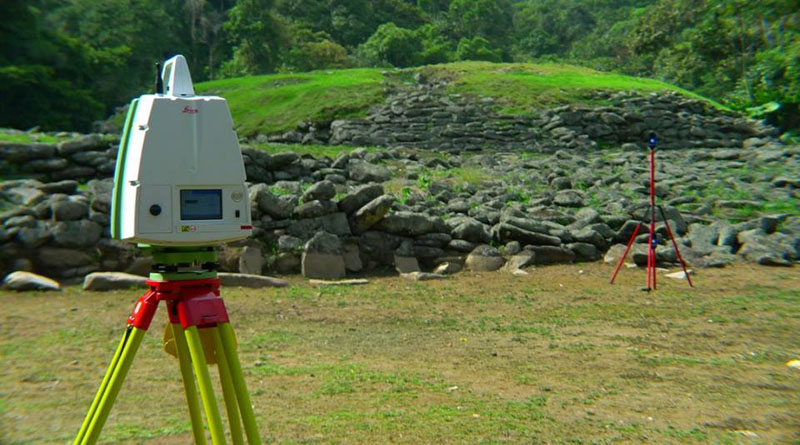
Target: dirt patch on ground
[{"x": 559, "y": 355}]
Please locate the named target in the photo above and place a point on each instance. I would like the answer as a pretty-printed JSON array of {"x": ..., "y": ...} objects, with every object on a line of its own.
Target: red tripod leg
[
  {"x": 652, "y": 271},
  {"x": 624, "y": 255},
  {"x": 145, "y": 309},
  {"x": 651, "y": 261},
  {"x": 655, "y": 285},
  {"x": 675, "y": 246},
  {"x": 651, "y": 251}
]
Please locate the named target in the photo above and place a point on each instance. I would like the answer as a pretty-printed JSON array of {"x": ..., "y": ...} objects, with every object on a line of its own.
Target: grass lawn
[
  {"x": 556, "y": 356},
  {"x": 277, "y": 103},
  {"x": 317, "y": 151},
  {"x": 524, "y": 87},
  {"x": 24, "y": 137}
]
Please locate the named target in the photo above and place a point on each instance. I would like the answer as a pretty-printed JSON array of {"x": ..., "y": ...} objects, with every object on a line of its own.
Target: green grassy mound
[
  {"x": 523, "y": 87},
  {"x": 276, "y": 103},
  {"x": 11, "y": 135}
]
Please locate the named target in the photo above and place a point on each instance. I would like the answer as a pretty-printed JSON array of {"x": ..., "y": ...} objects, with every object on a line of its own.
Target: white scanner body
[{"x": 180, "y": 178}]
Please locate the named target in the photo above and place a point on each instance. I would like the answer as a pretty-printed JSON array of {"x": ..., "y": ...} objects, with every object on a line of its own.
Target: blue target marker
[{"x": 653, "y": 140}]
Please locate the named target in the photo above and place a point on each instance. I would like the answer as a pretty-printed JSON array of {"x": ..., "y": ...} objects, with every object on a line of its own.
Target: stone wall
[
  {"x": 329, "y": 217},
  {"x": 446, "y": 122},
  {"x": 428, "y": 117},
  {"x": 57, "y": 230},
  {"x": 679, "y": 122},
  {"x": 82, "y": 158}
]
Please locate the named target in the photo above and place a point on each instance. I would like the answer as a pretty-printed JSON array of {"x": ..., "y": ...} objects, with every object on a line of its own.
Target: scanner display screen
[{"x": 201, "y": 204}]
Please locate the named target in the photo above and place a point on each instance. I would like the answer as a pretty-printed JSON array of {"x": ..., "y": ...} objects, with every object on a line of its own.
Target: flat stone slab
[
  {"x": 25, "y": 281},
  {"x": 250, "y": 281},
  {"x": 102, "y": 281},
  {"x": 424, "y": 276},
  {"x": 679, "y": 275},
  {"x": 448, "y": 268},
  {"x": 338, "y": 282},
  {"x": 520, "y": 261}
]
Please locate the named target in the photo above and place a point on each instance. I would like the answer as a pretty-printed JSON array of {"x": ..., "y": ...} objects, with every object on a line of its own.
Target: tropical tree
[
  {"x": 477, "y": 48},
  {"x": 44, "y": 76},
  {"x": 489, "y": 19},
  {"x": 257, "y": 36},
  {"x": 393, "y": 45}
]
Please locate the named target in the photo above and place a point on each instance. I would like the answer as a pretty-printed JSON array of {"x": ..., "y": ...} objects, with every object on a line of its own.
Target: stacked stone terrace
[
  {"x": 428, "y": 117},
  {"x": 551, "y": 195}
]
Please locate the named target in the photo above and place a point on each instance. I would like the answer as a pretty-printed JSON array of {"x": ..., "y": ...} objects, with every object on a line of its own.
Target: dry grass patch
[{"x": 559, "y": 355}]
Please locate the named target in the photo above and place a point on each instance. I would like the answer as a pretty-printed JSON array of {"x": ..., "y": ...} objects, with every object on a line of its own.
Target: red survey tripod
[
  {"x": 195, "y": 307},
  {"x": 652, "y": 239}
]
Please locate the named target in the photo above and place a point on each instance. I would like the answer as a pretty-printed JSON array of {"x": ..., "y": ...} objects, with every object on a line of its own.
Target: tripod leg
[
  {"x": 624, "y": 255},
  {"x": 246, "y": 408},
  {"x": 652, "y": 270},
  {"x": 103, "y": 409},
  {"x": 653, "y": 248},
  {"x": 228, "y": 390},
  {"x": 189, "y": 388},
  {"x": 103, "y": 386},
  {"x": 675, "y": 246},
  {"x": 651, "y": 245},
  {"x": 204, "y": 381},
  {"x": 649, "y": 260}
]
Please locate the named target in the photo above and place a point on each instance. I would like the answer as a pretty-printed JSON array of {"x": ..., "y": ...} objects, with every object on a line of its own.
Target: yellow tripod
[{"x": 192, "y": 304}]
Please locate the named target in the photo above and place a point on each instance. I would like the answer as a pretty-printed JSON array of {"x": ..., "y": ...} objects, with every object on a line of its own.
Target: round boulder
[
  {"x": 102, "y": 281},
  {"x": 371, "y": 213},
  {"x": 82, "y": 233},
  {"x": 361, "y": 171},
  {"x": 323, "y": 190},
  {"x": 24, "y": 281},
  {"x": 323, "y": 257},
  {"x": 69, "y": 210},
  {"x": 484, "y": 258}
]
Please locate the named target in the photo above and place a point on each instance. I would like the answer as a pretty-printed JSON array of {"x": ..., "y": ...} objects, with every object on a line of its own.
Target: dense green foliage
[
  {"x": 43, "y": 71},
  {"x": 394, "y": 46},
  {"x": 259, "y": 37},
  {"x": 747, "y": 53},
  {"x": 65, "y": 63}
]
